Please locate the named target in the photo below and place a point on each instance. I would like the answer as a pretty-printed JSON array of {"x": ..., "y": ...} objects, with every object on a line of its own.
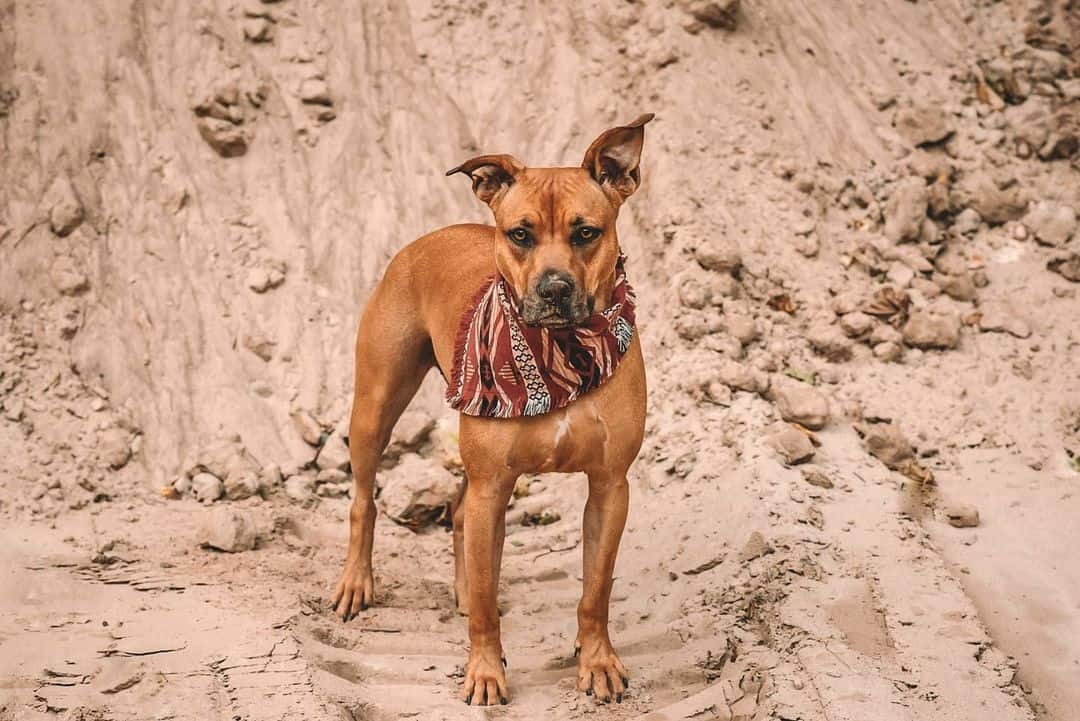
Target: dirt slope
[{"x": 856, "y": 217}]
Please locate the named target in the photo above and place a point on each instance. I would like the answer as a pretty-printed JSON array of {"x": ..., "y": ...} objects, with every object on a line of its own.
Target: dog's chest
[{"x": 570, "y": 439}]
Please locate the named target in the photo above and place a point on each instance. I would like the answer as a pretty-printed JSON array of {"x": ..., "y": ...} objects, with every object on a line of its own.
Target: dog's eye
[
  {"x": 584, "y": 235},
  {"x": 520, "y": 237}
]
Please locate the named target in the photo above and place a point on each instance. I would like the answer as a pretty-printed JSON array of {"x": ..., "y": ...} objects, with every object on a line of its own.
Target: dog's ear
[
  {"x": 613, "y": 159},
  {"x": 491, "y": 175}
]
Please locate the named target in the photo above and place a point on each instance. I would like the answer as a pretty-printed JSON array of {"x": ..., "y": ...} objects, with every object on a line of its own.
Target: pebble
[
  {"x": 66, "y": 212},
  {"x": 922, "y": 123},
  {"x": 755, "y": 547},
  {"x": 829, "y": 341},
  {"x": 816, "y": 478},
  {"x": 888, "y": 352},
  {"x": 334, "y": 454},
  {"x": 962, "y": 515},
  {"x": 300, "y": 487},
  {"x": 114, "y": 445},
  {"x": 741, "y": 327},
  {"x": 742, "y": 377},
  {"x": 887, "y": 443},
  {"x": 906, "y": 209},
  {"x": 1052, "y": 224},
  {"x": 718, "y": 254},
  {"x": 856, "y": 324},
  {"x": 967, "y": 222},
  {"x": 308, "y": 427},
  {"x": 958, "y": 287},
  {"x": 314, "y": 91},
  {"x": 997, "y": 318},
  {"x": 793, "y": 445},
  {"x": 67, "y": 277},
  {"x": 239, "y": 486}
]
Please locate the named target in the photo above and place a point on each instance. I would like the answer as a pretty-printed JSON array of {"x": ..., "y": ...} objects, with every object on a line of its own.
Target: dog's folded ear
[
  {"x": 613, "y": 159},
  {"x": 491, "y": 175}
]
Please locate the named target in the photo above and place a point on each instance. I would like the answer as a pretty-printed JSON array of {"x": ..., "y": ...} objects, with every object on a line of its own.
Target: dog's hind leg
[{"x": 393, "y": 354}]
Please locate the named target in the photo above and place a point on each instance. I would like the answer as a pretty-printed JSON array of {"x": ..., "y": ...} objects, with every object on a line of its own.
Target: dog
[{"x": 555, "y": 245}]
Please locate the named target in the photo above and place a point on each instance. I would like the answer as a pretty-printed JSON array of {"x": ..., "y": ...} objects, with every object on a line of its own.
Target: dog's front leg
[
  {"x": 600, "y": 672},
  {"x": 485, "y": 526}
]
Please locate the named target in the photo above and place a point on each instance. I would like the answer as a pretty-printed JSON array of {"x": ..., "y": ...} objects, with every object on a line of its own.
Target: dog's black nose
[{"x": 555, "y": 287}]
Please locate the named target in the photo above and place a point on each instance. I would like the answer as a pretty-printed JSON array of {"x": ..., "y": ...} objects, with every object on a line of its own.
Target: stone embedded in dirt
[
  {"x": 887, "y": 443},
  {"x": 714, "y": 13},
  {"x": 333, "y": 454},
  {"x": 411, "y": 432},
  {"x": 790, "y": 443},
  {"x": 114, "y": 445},
  {"x": 742, "y": 377},
  {"x": 829, "y": 341},
  {"x": 718, "y": 254},
  {"x": 693, "y": 293},
  {"x": 206, "y": 487},
  {"x": 67, "y": 277},
  {"x": 900, "y": 274},
  {"x": 800, "y": 403},
  {"x": 331, "y": 475},
  {"x": 951, "y": 261},
  {"x": 1067, "y": 266},
  {"x": 239, "y": 486},
  {"x": 905, "y": 210},
  {"x": 998, "y": 318},
  {"x": 227, "y": 139},
  {"x": 308, "y": 427},
  {"x": 417, "y": 492},
  {"x": 301, "y": 487},
  {"x": 922, "y": 124},
  {"x": 258, "y": 30},
  {"x": 313, "y": 91},
  {"x": 856, "y": 324},
  {"x": 816, "y": 478},
  {"x": 967, "y": 222},
  {"x": 884, "y": 333},
  {"x": 259, "y": 344},
  {"x": 958, "y": 287},
  {"x": 961, "y": 515},
  {"x": 741, "y": 327},
  {"x": 695, "y": 324},
  {"x": 888, "y": 351},
  {"x": 66, "y": 210},
  {"x": 228, "y": 529},
  {"x": 755, "y": 547},
  {"x": 1052, "y": 223},
  {"x": 927, "y": 329}
]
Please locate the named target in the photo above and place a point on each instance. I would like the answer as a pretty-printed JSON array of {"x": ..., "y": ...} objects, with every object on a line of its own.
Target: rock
[
  {"x": 182, "y": 485},
  {"x": 741, "y": 377},
  {"x": 921, "y": 124},
  {"x": 333, "y": 490},
  {"x": 227, "y": 140},
  {"x": 755, "y": 547},
  {"x": 206, "y": 487},
  {"x": 829, "y": 341},
  {"x": 961, "y": 515},
  {"x": 695, "y": 324},
  {"x": 1067, "y": 266},
  {"x": 799, "y": 403},
  {"x": 228, "y": 529},
  {"x": 790, "y": 443},
  {"x": 66, "y": 211},
  {"x": 258, "y": 280},
  {"x": 959, "y": 287},
  {"x": 998, "y": 318},
  {"x": 718, "y": 254},
  {"x": 887, "y": 443},
  {"x": 856, "y": 324},
  {"x": 816, "y": 478},
  {"x": 905, "y": 210},
  {"x": 308, "y": 427},
  {"x": 114, "y": 445},
  {"x": 900, "y": 274},
  {"x": 995, "y": 204},
  {"x": 418, "y": 492},
  {"x": 313, "y": 91},
  {"x": 333, "y": 454},
  {"x": 412, "y": 432},
  {"x": 888, "y": 351},
  {"x": 926, "y": 329},
  {"x": 1053, "y": 224},
  {"x": 714, "y": 13},
  {"x": 239, "y": 486},
  {"x": 951, "y": 261},
  {"x": 270, "y": 477},
  {"x": 259, "y": 344},
  {"x": 693, "y": 293},
  {"x": 741, "y": 327},
  {"x": 967, "y": 222},
  {"x": 331, "y": 475},
  {"x": 67, "y": 277},
  {"x": 301, "y": 487},
  {"x": 886, "y": 334}
]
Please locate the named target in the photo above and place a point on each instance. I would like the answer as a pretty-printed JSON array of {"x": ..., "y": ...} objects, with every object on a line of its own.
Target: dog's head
[{"x": 556, "y": 243}]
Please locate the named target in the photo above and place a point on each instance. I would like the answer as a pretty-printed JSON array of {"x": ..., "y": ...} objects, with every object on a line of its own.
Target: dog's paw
[
  {"x": 354, "y": 593},
  {"x": 600, "y": 672},
  {"x": 485, "y": 679}
]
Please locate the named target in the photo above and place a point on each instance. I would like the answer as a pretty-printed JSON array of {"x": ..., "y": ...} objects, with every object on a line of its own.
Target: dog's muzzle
[{"x": 556, "y": 301}]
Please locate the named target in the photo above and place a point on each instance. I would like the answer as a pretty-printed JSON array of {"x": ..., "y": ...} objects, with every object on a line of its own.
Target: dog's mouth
[{"x": 546, "y": 315}]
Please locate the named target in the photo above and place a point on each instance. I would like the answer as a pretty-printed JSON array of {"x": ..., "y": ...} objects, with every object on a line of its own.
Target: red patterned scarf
[{"x": 506, "y": 369}]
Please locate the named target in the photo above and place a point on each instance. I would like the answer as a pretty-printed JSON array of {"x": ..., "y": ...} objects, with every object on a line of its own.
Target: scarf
[{"x": 506, "y": 369}]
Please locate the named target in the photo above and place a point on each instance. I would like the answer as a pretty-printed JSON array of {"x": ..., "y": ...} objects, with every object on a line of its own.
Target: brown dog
[{"x": 555, "y": 243}]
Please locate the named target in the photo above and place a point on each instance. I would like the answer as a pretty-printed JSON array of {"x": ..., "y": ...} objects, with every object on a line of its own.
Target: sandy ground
[{"x": 857, "y": 258}]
